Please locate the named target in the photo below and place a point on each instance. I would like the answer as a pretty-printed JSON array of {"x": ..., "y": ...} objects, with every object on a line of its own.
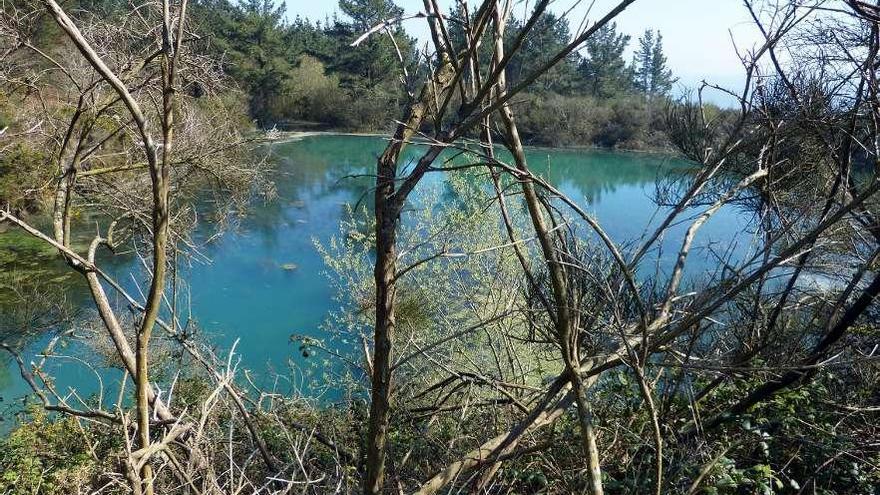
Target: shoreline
[{"x": 279, "y": 137}]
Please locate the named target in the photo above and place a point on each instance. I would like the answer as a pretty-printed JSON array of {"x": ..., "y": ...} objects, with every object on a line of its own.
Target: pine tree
[
  {"x": 549, "y": 36},
  {"x": 251, "y": 37},
  {"x": 651, "y": 76},
  {"x": 661, "y": 75},
  {"x": 367, "y": 13},
  {"x": 643, "y": 62},
  {"x": 375, "y": 62},
  {"x": 604, "y": 71},
  {"x": 457, "y": 36}
]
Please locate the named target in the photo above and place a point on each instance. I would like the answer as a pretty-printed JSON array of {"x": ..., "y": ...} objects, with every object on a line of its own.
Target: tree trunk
[
  {"x": 383, "y": 273},
  {"x": 388, "y": 205}
]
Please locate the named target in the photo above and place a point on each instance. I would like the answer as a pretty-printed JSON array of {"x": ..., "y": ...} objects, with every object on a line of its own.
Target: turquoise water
[{"x": 246, "y": 294}]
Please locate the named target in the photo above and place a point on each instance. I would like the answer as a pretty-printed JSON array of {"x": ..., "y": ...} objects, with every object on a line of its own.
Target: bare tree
[
  {"x": 102, "y": 146},
  {"x": 653, "y": 319},
  {"x": 432, "y": 105}
]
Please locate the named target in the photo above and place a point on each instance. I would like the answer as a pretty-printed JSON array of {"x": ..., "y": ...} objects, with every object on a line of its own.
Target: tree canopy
[
  {"x": 361, "y": 87},
  {"x": 651, "y": 76}
]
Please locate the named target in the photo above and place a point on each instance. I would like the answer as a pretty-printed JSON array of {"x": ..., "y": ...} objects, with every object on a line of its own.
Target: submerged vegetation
[{"x": 490, "y": 336}]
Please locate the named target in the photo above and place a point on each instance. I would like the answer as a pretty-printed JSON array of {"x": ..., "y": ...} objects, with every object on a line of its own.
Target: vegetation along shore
[{"x": 376, "y": 247}]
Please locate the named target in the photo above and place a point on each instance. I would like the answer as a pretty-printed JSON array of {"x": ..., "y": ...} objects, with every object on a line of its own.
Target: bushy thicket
[
  {"x": 21, "y": 167},
  {"x": 629, "y": 122},
  {"x": 51, "y": 456},
  {"x": 314, "y": 95}
]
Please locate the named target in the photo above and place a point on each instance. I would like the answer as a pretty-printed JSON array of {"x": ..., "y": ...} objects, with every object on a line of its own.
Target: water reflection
[{"x": 266, "y": 281}]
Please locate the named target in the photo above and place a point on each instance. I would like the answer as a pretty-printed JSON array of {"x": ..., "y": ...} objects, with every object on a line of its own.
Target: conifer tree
[
  {"x": 604, "y": 71},
  {"x": 642, "y": 62},
  {"x": 651, "y": 76},
  {"x": 661, "y": 75}
]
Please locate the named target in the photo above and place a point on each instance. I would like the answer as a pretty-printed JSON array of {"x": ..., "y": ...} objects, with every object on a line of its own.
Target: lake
[{"x": 266, "y": 280}]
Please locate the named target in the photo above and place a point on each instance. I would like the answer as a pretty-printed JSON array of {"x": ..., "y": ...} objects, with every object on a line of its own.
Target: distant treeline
[
  {"x": 304, "y": 73},
  {"x": 307, "y": 71}
]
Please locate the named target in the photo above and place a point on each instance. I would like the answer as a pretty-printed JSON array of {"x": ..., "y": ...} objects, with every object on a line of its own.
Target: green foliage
[
  {"x": 604, "y": 71},
  {"x": 625, "y": 121},
  {"x": 622, "y": 122},
  {"x": 300, "y": 70},
  {"x": 6, "y": 114},
  {"x": 366, "y": 13},
  {"x": 556, "y": 120},
  {"x": 453, "y": 292},
  {"x": 642, "y": 62},
  {"x": 778, "y": 446},
  {"x": 650, "y": 73},
  {"x": 49, "y": 456},
  {"x": 728, "y": 479},
  {"x": 548, "y": 37},
  {"x": 306, "y": 71},
  {"x": 590, "y": 99},
  {"x": 250, "y": 36},
  {"x": 25, "y": 260},
  {"x": 661, "y": 76},
  {"x": 22, "y": 168},
  {"x": 310, "y": 93}
]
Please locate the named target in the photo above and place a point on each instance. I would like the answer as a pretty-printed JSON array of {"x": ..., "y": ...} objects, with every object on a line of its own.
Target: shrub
[
  {"x": 22, "y": 168},
  {"x": 313, "y": 95},
  {"x": 555, "y": 120},
  {"x": 371, "y": 110},
  {"x": 48, "y": 456},
  {"x": 308, "y": 93},
  {"x": 626, "y": 120}
]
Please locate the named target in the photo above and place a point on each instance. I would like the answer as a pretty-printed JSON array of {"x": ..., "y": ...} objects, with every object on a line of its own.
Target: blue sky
[{"x": 698, "y": 35}]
